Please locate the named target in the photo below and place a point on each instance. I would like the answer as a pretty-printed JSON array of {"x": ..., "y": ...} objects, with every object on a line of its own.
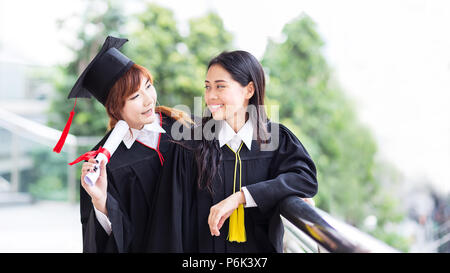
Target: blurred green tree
[
  {"x": 158, "y": 46},
  {"x": 208, "y": 38},
  {"x": 312, "y": 104},
  {"x": 48, "y": 179}
]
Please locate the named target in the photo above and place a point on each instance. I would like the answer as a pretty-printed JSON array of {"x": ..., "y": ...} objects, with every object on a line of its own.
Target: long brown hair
[
  {"x": 125, "y": 86},
  {"x": 243, "y": 68}
]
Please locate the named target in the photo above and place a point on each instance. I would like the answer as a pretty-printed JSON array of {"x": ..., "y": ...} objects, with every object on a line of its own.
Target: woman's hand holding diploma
[
  {"x": 90, "y": 173},
  {"x": 98, "y": 190}
]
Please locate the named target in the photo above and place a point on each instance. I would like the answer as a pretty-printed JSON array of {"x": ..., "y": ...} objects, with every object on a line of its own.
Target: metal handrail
[
  {"x": 328, "y": 232},
  {"x": 296, "y": 241}
]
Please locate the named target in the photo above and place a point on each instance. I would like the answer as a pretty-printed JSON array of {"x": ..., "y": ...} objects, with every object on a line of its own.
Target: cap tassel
[{"x": 65, "y": 132}]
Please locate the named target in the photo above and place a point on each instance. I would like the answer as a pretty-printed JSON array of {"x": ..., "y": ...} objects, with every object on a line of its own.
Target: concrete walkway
[{"x": 43, "y": 227}]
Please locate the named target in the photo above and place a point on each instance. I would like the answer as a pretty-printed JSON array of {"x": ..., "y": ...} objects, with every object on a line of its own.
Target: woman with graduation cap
[
  {"x": 244, "y": 169},
  {"x": 115, "y": 210}
]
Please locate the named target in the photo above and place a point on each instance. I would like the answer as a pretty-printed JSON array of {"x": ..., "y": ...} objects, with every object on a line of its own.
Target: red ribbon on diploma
[{"x": 92, "y": 154}]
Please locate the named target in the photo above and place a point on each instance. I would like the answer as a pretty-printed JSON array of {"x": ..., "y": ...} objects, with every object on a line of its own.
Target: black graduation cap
[
  {"x": 102, "y": 72},
  {"x": 97, "y": 79}
]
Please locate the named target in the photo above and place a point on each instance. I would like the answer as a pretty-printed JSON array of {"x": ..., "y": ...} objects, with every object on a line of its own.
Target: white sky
[{"x": 392, "y": 58}]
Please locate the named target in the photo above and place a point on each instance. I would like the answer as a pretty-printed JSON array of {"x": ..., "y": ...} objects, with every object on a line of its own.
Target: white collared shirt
[
  {"x": 245, "y": 134},
  {"x": 149, "y": 136},
  {"x": 228, "y": 136}
]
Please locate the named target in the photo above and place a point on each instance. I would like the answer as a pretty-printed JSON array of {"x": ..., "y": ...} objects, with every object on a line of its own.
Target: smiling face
[
  {"x": 139, "y": 108},
  {"x": 226, "y": 98}
]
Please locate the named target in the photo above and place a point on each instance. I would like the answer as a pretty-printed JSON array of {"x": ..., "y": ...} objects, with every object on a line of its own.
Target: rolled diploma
[{"x": 111, "y": 144}]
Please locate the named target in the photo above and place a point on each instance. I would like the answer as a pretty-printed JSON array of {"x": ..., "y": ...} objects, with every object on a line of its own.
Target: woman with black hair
[{"x": 244, "y": 166}]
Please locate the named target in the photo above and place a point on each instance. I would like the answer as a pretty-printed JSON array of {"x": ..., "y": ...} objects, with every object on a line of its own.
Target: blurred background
[{"x": 365, "y": 85}]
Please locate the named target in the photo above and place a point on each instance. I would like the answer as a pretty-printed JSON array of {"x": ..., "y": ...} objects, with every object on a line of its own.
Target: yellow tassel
[{"x": 236, "y": 231}]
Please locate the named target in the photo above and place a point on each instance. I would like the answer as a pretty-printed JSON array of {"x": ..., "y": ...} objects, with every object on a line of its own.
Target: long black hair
[{"x": 243, "y": 68}]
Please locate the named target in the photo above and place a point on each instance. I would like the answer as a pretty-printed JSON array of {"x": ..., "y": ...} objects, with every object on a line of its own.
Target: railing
[
  {"x": 440, "y": 237},
  {"x": 308, "y": 229}
]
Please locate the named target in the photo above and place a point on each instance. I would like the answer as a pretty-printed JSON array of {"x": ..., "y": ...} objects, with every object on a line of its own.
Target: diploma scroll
[{"x": 111, "y": 144}]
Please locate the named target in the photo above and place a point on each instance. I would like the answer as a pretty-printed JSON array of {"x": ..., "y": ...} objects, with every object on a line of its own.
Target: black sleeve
[
  {"x": 94, "y": 236},
  {"x": 293, "y": 172}
]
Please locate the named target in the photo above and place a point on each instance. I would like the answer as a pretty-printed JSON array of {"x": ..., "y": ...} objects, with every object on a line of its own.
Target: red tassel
[{"x": 62, "y": 139}]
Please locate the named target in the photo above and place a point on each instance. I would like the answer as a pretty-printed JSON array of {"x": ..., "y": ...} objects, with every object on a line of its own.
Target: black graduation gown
[
  {"x": 269, "y": 176},
  {"x": 132, "y": 178},
  {"x": 173, "y": 223}
]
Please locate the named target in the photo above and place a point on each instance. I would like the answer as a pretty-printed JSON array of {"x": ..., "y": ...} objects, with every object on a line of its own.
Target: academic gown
[
  {"x": 132, "y": 178},
  {"x": 269, "y": 176}
]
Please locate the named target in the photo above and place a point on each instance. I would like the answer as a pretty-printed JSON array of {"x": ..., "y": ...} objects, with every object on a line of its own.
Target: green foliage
[
  {"x": 49, "y": 188},
  {"x": 158, "y": 46},
  {"x": 49, "y": 177},
  {"x": 394, "y": 239},
  {"x": 207, "y": 38}
]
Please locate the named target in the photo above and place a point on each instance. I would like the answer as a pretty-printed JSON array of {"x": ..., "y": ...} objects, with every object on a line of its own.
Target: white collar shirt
[
  {"x": 149, "y": 135},
  {"x": 228, "y": 136}
]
